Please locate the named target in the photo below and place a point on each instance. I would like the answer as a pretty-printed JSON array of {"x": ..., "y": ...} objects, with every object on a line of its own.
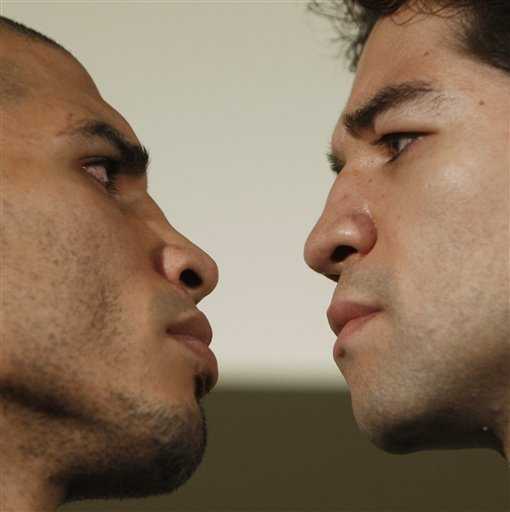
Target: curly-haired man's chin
[{"x": 142, "y": 471}]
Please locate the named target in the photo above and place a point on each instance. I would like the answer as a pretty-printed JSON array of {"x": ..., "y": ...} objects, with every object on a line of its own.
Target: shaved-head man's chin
[
  {"x": 145, "y": 466},
  {"x": 139, "y": 449}
]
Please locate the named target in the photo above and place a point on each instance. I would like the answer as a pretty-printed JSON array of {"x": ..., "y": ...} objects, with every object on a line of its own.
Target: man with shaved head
[
  {"x": 104, "y": 355},
  {"x": 415, "y": 231}
]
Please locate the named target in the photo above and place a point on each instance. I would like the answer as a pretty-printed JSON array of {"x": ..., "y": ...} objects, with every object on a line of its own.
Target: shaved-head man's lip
[
  {"x": 194, "y": 331},
  {"x": 194, "y": 324}
]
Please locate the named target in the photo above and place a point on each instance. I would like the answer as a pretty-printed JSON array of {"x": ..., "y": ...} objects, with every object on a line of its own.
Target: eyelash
[
  {"x": 112, "y": 168},
  {"x": 389, "y": 139}
]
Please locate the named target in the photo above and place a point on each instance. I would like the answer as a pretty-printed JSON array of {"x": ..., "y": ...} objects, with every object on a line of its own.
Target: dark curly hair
[{"x": 483, "y": 25}]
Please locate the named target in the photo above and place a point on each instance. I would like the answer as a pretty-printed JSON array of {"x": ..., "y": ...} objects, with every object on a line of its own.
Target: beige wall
[{"x": 236, "y": 101}]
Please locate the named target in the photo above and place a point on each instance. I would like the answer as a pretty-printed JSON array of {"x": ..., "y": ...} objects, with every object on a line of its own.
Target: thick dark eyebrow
[
  {"x": 386, "y": 99},
  {"x": 132, "y": 157}
]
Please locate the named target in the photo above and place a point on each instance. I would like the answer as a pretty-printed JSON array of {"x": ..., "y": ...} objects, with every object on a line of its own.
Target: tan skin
[
  {"x": 89, "y": 283},
  {"x": 427, "y": 222}
]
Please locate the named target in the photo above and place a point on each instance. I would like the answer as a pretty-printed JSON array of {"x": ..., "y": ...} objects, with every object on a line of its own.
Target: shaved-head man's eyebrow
[
  {"x": 386, "y": 99},
  {"x": 132, "y": 157}
]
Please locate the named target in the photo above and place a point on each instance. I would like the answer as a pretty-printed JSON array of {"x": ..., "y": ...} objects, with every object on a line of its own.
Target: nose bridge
[
  {"x": 179, "y": 260},
  {"x": 344, "y": 228}
]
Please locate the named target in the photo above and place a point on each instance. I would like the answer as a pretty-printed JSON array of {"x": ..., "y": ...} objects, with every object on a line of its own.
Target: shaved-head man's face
[
  {"x": 104, "y": 355},
  {"x": 416, "y": 232}
]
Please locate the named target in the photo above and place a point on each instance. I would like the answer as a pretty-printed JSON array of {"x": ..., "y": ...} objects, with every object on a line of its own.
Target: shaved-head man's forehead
[{"x": 14, "y": 82}]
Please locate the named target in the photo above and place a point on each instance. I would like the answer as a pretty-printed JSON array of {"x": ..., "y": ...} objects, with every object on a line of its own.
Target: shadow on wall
[{"x": 301, "y": 451}]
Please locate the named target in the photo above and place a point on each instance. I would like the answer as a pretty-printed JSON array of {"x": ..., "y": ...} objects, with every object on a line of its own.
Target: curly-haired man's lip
[{"x": 346, "y": 318}]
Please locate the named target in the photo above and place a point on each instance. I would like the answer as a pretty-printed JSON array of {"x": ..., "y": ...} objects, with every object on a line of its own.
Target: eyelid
[{"x": 106, "y": 159}]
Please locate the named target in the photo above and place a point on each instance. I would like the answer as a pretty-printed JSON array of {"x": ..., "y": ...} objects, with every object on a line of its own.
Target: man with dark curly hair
[{"x": 415, "y": 230}]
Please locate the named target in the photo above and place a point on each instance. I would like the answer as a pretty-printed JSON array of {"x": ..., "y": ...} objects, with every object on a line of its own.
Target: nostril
[
  {"x": 341, "y": 253},
  {"x": 190, "y": 278}
]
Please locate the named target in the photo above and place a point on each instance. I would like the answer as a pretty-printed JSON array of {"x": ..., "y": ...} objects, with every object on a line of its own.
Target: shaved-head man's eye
[{"x": 105, "y": 170}]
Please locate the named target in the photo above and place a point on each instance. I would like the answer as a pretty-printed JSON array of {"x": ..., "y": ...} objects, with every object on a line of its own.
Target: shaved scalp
[
  {"x": 14, "y": 80},
  {"x": 13, "y": 86},
  {"x": 6, "y": 24}
]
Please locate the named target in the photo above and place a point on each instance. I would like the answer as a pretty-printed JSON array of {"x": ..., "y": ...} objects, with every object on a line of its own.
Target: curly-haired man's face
[
  {"x": 99, "y": 370},
  {"x": 417, "y": 226}
]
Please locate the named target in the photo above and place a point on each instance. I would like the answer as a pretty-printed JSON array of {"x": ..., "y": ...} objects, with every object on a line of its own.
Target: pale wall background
[{"x": 236, "y": 102}]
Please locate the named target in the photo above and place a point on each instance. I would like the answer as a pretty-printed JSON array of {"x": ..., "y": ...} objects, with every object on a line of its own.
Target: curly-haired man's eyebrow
[{"x": 389, "y": 98}]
